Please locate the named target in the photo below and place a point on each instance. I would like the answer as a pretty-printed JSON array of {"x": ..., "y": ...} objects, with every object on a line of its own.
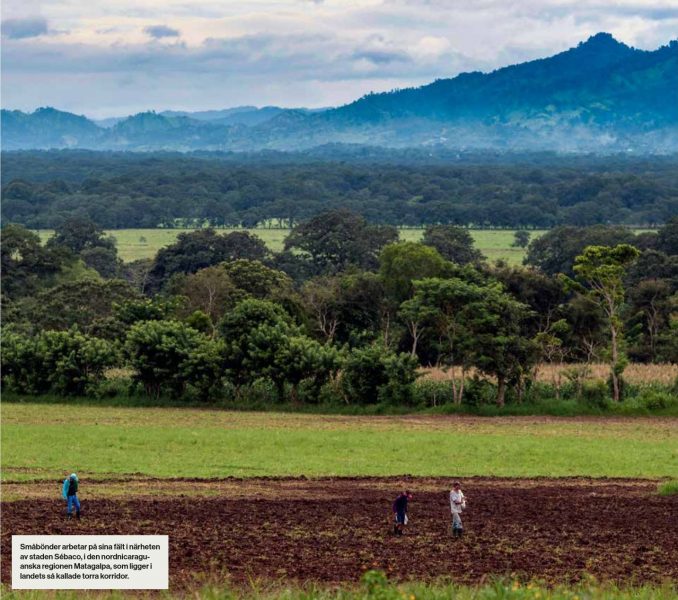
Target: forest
[
  {"x": 124, "y": 190},
  {"x": 345, "y": 314}
]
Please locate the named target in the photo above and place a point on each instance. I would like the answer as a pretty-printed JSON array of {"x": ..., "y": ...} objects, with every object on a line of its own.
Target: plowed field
[{"x": 331, "y": 530}]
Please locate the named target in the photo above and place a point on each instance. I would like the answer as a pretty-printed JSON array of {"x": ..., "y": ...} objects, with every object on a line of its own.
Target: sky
[{"x": 106, "y": 58}]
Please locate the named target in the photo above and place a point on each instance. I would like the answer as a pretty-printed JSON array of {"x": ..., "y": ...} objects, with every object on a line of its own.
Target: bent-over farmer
[{"x": 400, "y": 511}]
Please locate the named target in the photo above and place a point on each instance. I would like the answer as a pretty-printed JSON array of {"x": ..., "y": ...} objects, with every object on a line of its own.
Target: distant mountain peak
[{"x": 604, "y": 43}]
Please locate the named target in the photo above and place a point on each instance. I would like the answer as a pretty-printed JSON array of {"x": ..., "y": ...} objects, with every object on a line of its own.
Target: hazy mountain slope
[
  {"x": 47, "y": 128},
  {"x": 599, "y": 96}
]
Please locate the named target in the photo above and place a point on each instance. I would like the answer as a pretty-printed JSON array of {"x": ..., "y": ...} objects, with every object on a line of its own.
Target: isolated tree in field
[
  {"x": 521, "y": 239},
  {"x": 601, "y": 269},
  {"x": 452, "y": 243},
  {"x": 339, "y": 238}
]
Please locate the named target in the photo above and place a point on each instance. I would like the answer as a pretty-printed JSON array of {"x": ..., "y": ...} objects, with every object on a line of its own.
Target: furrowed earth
[{"x": 331, "y": 530}]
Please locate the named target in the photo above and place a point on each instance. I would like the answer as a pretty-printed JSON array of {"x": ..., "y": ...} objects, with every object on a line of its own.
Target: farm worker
[
  {"x": 457, "y": 504},
  {"x": 69, "y": 491},
  {"x": 400, "y": 511}
]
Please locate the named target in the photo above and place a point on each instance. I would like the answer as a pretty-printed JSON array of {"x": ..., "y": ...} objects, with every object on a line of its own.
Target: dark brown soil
[{"x": 332, "y": 530}]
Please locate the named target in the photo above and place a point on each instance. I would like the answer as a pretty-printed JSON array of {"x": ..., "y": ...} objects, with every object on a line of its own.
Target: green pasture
[
  {"x": 41, "y": 441},
  {"x": 374, "y": 587},
  {"x": 144, "y": 243}
]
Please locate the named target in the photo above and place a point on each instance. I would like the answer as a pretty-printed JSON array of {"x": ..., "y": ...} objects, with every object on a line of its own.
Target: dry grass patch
[{"x": 635, "y": 373}]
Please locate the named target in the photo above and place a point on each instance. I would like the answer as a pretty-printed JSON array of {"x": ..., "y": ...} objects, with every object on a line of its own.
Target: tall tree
[
  {"x": 337, "y": 239},
  {"x": 452, "y": 243},
  {"x": 601, "y": 269}
]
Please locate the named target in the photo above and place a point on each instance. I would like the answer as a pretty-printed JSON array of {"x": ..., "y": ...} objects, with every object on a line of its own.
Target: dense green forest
[
  {"x": 345, "y": 314},
  {"x": 122, "y": 190}
]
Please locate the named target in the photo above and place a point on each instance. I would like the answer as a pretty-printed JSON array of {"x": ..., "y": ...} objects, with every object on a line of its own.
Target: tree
[
  {"x": 26, "y": 264},
  {"x": 371, "y": 374},
  {"x": 80, "y": 233},
  {"x": 651, "y": 302},
  {"x": 169, "y": 355},
  {"x": 64, "y": 362},
  {"x": 211, "y": 291},
  {"x": 447, "y": 309},
  {"x": 321, "y": 297},
  {"x": 601, "y": 269},
  {"x": 403, "y": 262},
  {"x": 452, "y": 243},
  {"x": 545, "y": 295},
  {"x": 555, "y": 251},
  {"x": 257, "y": 280},
  {"x": 103, "y": 260},
  {"x": 667, "y": 237},
  {"x": 85, "y": 304},
  {"x": 87, "y": 240},
  {"x": 339, "y": 238},
  {"x": 253, "y": 331},
  {"x": 300, "y": 358},
  {"x": 502, "y": 348},
  {"x": 521, "y": 239},
  {"x": 200, "y": 249}
]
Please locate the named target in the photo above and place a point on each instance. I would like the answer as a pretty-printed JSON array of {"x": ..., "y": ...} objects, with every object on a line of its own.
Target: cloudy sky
[{"x": 115, "y": 57}]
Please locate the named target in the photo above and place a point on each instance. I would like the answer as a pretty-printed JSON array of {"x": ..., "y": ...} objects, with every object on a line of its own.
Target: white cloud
[{"x": 216, "y": 53}]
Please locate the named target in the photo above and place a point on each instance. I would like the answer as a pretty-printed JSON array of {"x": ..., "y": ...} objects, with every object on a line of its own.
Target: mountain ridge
[{"x": 600, "y": 95}]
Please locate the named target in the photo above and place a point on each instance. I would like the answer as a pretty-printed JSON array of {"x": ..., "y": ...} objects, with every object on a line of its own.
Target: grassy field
[
  {"x": 144, "y": 243},
  {"x": 41, "y": 441},
  {"x": 374, "y": 587}
]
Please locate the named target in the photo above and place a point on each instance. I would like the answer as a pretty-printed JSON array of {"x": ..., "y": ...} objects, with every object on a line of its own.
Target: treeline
[
  {"x": 44, "y": 189},
  {"x": 344, "y": 314}
]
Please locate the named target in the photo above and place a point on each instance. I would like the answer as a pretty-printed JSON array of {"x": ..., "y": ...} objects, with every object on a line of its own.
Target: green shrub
[
  {"x": 429, "y": 393},
  {"x": 401, "y": 373},
  {"x": 65, "y": 362},
  {"x": 372, "y": 374},
  {"x": 168, "y": 356},
  {"x": 653, "y": 399},
  {"x": 479, "y": 392},
  {"x": 595, "y": 394}
]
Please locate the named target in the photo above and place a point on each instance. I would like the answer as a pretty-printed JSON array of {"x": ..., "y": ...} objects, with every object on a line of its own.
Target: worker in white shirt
[{"x": 457, "y": 504}]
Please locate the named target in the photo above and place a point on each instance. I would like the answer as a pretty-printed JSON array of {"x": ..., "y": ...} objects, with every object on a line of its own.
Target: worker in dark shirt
[
  {"x": 400, "y": 512},
  {"x": 69, "y": 492}
]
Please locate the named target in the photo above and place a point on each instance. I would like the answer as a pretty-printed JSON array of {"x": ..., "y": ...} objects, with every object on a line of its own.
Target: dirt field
[{"x": 331, "y": 530}]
